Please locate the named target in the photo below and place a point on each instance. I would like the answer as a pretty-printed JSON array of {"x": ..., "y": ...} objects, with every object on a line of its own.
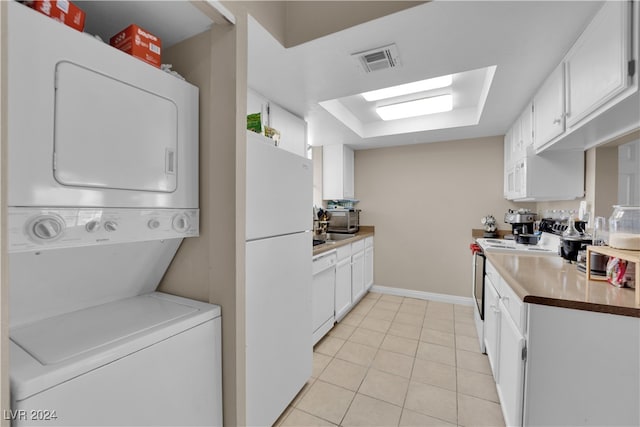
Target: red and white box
[
  {"x": 140, "y": 43},
  {"x": 62, "y": 11}
]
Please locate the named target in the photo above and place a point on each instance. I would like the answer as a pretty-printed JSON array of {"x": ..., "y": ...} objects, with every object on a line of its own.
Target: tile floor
[{"x": 395, "y": 361}]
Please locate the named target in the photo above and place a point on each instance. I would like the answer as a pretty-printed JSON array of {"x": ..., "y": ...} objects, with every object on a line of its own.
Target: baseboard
[{"x": 451, "y": 299}]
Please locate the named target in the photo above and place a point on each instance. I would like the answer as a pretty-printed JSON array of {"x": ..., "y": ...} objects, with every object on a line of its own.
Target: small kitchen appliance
[
  {"x": 573, "y": 241},
  {"x": 344, "y": 220},
  {"x": 521, "y": 220}
]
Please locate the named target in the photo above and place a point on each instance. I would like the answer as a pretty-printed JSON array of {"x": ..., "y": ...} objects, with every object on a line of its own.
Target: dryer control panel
[{"x": 33, "y": 229}]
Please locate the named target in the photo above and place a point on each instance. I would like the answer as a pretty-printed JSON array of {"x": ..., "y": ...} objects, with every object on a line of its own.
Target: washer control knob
[
  {"x": 92, "y": 226},
  {"x": 46, "y": 227},
  {"x": 153, "y": 224},
  {"x": 111, "y": 226},
  {"x": 180, "y": 223}
]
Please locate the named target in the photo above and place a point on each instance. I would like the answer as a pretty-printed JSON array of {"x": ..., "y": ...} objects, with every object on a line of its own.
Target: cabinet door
[
  {"x": 526, "y": 130},
  {"x": 511, "y": 369},
  {"x": 491, "y": 325},
  {"x": 357, "y": 276},
  {"x": 596, "y": 65},
  {"x": 520, "y": 179},
  {"x": 510, "y": 183},
  {"x": 348, "y": 171},
  {"x": 343, "y": 288},
  {"x": 332, "y": 175},
  {"x": 548, "y": 108},
  {"x": 292, "y": 130},
  {"x": 368, "y": 268}
]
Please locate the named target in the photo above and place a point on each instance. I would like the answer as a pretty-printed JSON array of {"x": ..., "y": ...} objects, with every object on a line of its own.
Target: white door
[
  {"x": 548, "y": 104},
  {"x": 357, "y": 276},
  {"x": 368, "y": 268},
  {"x": 278, "y": 324},
  {"x": 135, "y": 149},
  {"x": 596, "y": 65},
  {"x": 343, "y": 288},
  {"x": 629, "y": 174},
  {"x": 279, "y": 190},
  {"x": 491, "y": 325},
  {"x": 511, "y": 369}
]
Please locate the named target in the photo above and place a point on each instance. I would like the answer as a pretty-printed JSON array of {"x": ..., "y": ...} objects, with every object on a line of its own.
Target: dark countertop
[
  {"x": 552, "y": 281},
  {"x": 365, "y": 231}
]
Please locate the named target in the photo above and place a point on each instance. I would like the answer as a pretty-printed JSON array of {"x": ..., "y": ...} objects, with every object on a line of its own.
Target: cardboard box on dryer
[
  {"x": 61, "y": 10},
  {"x": 140, "y": 43}
]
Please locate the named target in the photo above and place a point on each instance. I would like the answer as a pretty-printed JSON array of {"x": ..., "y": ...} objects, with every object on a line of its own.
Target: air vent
[{"x": 378, "y": 59}]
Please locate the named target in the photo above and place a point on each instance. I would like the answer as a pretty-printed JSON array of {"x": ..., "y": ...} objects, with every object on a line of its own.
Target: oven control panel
[{"x": 38, "y": 228}]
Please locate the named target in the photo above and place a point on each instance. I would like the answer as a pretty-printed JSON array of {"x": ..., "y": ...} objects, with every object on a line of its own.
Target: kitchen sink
[{"x": 335, "y": 237}]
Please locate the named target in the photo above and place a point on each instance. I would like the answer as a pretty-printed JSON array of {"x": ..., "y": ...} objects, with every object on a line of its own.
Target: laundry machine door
[{"x": 110, "y": 134}]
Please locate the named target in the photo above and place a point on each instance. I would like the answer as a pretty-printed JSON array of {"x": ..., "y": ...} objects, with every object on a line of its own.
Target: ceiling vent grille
[{"x": 378, "y": 59}]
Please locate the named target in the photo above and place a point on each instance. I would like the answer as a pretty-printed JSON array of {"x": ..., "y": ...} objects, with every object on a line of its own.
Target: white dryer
[{"x": 91, "y": 126}]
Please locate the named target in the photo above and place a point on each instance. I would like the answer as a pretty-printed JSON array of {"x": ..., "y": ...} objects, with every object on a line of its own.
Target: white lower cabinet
[
  {"x": 343, "y": 301},
  {"x": 491, "y": 324},
  {"x": 505, "y": 344},
  {"x": 323, "y": 294},
  {"x": 368, "y": 263},
  {"x": 582, "y": 368},
  {"x": 511, "y": 368},
  {"x": 560, "y": 366},
  {"x": 357, "y": 271},
  {"x": 341, "y": 277}
]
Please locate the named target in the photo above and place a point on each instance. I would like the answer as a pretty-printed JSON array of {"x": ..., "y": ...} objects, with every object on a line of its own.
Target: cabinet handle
[
  {"x": 557, "y": 121},
  {"x": 494, "y": 309},
  {"x": 505, "y": 299}
]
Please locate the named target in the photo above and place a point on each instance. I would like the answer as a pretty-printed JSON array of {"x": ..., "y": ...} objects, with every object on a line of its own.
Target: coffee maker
[{"x": 521, "y": 220}]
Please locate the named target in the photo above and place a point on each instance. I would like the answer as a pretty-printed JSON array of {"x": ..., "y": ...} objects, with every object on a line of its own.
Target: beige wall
[
  {"x": 206, "y": 268},
  {"x": 308, "y": 20},
  {"x": 296, "y": 22},
  {"x": 423, "y": 201}
]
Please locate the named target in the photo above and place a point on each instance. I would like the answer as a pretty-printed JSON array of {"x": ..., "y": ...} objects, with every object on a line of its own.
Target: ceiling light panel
[
  {"x": 408, "y": 88},
  {"x": 419, "y": 107}
]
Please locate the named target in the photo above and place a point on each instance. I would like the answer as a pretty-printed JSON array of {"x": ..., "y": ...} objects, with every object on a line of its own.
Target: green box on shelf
[{"x": 254, "y": 122}]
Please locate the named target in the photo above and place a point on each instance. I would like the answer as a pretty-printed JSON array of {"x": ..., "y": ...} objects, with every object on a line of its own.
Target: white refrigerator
[{"x": 279, "y": 250}]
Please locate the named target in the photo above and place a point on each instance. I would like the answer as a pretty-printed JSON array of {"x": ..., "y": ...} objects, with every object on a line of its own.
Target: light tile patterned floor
[{"x": 395, "y": 361}]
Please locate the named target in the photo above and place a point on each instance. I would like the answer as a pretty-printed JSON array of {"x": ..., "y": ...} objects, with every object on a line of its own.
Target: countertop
[
  {"x": 365, "y": 231},
  {"x": 552, "y": 281}
]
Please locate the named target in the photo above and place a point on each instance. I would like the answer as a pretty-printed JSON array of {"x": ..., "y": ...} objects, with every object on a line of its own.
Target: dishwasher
[{"x": 323, "y": 294}]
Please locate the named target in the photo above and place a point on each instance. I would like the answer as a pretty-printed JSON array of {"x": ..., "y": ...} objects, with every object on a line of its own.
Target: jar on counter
[{"x": 624, "y": 228}]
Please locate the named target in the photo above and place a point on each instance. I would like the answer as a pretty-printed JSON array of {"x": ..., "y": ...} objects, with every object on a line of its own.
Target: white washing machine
[
  {"x": 91, "y": 342},
  {"x": 103, "y": 188},
  {"x": 148, "y": 360}
]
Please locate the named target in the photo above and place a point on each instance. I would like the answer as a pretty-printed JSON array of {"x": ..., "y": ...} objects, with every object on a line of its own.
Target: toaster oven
[{"x": 344, "y": 220}]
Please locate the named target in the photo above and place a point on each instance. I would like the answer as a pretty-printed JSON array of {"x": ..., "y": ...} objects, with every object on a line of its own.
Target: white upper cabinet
[
  {"x": 526, "y": 130},
  {"x": 596, "y": 65},
  {"x": 337, "y": 172},
  {"x": 548, "y": 107},
  {"x": 557, "y": 175},
  {"x": 292, "y": 129},
  {"x": 592, "y": 97}
]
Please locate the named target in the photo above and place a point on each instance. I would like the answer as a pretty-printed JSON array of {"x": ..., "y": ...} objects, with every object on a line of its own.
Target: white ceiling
[
  {"x": 525, "y": 39},
  {"x": 172, "y": 21},
  {"x": 469, "y": 91}
]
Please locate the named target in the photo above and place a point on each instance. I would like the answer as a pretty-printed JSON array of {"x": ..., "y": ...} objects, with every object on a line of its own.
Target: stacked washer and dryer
[{"x": 103, "y": 187}]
